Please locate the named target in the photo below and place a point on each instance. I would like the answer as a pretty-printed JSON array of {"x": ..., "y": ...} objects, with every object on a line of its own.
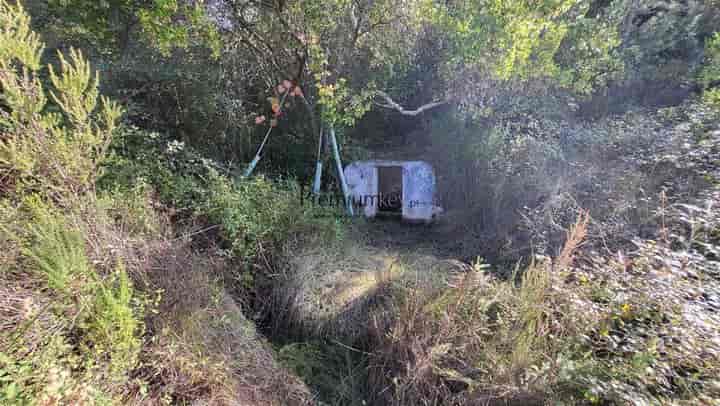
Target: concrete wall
[
  {"x": 362, "y": 182},
  {"x": 418, "y": 187}
]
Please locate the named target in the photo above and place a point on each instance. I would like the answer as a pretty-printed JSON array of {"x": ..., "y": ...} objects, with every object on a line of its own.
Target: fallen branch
[{"x": 391, "y": 104}]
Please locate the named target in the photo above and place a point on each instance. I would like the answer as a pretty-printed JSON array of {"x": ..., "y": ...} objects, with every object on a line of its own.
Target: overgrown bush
[
  {"x": 91, "y": 341},
  {"x": 512, "y": 188},
  {"x": 178, "y": 175},
  {"x": 710, "y": 74},
  {"x": 55, "y": 154},
  {"x": 257, "y": 211},
  {"x": 579, "y": 329},
  {"x": 248, "y": 211}
]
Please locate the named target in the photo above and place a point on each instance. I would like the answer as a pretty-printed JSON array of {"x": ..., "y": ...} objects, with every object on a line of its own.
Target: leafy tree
[
  {"x": 334, "y": 50},
  {"x": 109, "y": 26},
  {"x": 561, "y": 40}
]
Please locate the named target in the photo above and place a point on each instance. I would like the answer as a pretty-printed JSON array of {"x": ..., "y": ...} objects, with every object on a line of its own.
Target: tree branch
[{"x": 391, "y": 104}]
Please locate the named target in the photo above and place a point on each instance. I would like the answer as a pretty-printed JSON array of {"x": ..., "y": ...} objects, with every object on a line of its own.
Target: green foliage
[
  {"x": 108, "y": 25},
  {"x": 339, "y": 106},
  {"x": 108, "y": 314},
  {"x": 664, "y": 41},
  {"x": 114, "y": 326},
  {"x": 77, "y": 86},
  {"x": 335, "y": 50},
  {"x": 86, "y": 336},
  {"x": 58, "y": 250},
  {"x": 712, "y": 97},
  {"x": 253, "y": 213},
  {"x": 21, "y": 48},
  {"x": 257, "y": 214},
  {"x": 20, "y": 43},
  {"x": 531, "y": 40},
  {"x": 177, "y": 173},
  {"x": 335, "y": 372},
  {"x": 158, "y": 20},
  {"x": 45, "y": 376},
  {"x": 588, "y": 57},
  {"x": 78, "y": 334},
  {"x": 710, "y": 74},
  {"x": 72, "y": 320},
  {"x": 166, "y": 69},
  {"x": 37, "y": 149},
  {"x": 132, "y": 207}
]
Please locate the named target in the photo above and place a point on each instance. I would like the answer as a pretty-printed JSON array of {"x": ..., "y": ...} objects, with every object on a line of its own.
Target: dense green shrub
[
  {"x": 57, "y": 250},
  {"x": 177, "y": 174},
  {"x": 250, "y": 211},
  {"x": 71, "y": 328},
  {"x": 710, "y": 75},
  {"x": 162, "y": 60},
  {"x": 256, "y": 212},
  {"x": 134, "y": 210},
  {"x": 112, "y": 333},
  {"x": 55, "y": 154},
  {"x": 95, "y": 319}
]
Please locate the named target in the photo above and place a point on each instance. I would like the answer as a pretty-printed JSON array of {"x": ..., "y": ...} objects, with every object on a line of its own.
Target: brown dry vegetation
[
  {"x": 349, "y": 292},
  {"x": 202, "y": 346},
  {"x": 197, "y": 344},
  {"x": 581, "y": 328}
]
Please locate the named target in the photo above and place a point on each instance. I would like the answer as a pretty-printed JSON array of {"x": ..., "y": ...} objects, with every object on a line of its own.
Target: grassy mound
[{"x": 349, "y": 292}]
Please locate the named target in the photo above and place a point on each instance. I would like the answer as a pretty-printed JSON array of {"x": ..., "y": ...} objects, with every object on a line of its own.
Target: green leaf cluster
[
  {"x": 551, "y": 39},
  {"x": 710, "y": 74},
  {"x": 42, "y": 148},
  {"x": 107, "y": 25}
]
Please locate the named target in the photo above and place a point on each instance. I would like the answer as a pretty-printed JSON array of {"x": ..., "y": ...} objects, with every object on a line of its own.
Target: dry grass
[
  {"x": 23, "y": 312},
  {"x": 482, "y": 341},
  {"x": 203, "y": 348},
  {"x": 623, "y": 329},
  {"x": 348, "y": 293},
  {"x": 198, "y": 346},
  {"x": 575, "y": 236}
]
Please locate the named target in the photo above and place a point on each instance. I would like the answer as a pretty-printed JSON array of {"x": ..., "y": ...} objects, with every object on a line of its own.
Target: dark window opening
[{"x": 390, "y": 189}]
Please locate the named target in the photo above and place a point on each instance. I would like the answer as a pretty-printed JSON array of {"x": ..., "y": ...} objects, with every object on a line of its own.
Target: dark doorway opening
[{"x": 390, "y": 189}]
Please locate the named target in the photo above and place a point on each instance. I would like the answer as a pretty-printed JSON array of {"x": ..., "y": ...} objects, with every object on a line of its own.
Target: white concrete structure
[{"x": 406, "y": 188}]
